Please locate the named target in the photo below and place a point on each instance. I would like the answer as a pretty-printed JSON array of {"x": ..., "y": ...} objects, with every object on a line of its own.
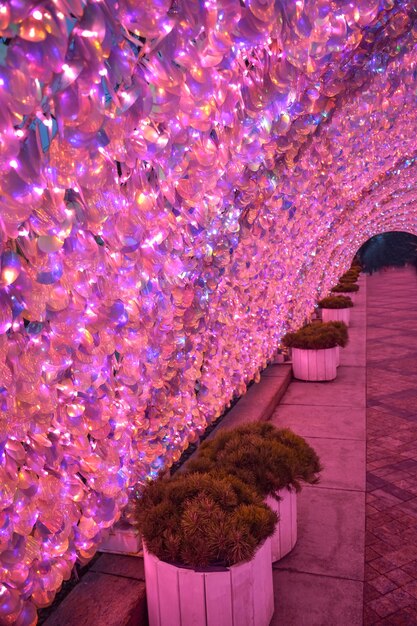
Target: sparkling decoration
[{"x": 180, "y": 181}]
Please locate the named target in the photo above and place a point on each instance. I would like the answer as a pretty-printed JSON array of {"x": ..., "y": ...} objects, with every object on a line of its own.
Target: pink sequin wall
[{"x": 180, "y": 181}]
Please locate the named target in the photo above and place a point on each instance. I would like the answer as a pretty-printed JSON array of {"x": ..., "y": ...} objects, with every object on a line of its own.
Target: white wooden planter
[
  {"x": 285, "y": 536},
  {"x": 241, "y": 594},
  {"x": 314, "y": 364},
  {"x": 337, "y": 356},
  {"x": 336, "y": 315}
]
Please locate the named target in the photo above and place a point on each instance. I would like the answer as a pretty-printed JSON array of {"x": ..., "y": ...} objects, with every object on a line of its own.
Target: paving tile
[
  {"x": 370, "y": 617},
  {"x": 370, "y": 538},
  {"x": 370, "y": 554},
  {"x": 336, "y": 454},
  {"x": 401, "y": 618},
  {"x": 382, "y": 504},
  {"x": 383, "y": 565},
  {"x": 410, "y": 507},
  {"x": 383, "y": 547},
  {"x": 401, "y": 598},
  {"x": 397, "y": 513},
  {"x": 396, "y": 526},
  {"x": 330, "y": 541},
  {"x": 370, "y": 572},
  {"x": 386, "y": 497},
  {"x": 403, "y": 556},
  {"x": 410, "y": 534},
  {"x": 369, "y": 592},
  {"x": 299, "y": 600},
  {"x": 322, "y": 421},
  {"x": 381, "y": 517},
  {"x": 411, "y": 588},
  {"x": 344, "y": 391},
  {"x": 411, "y": 612},
  {"x": 399, "y": 576},
  {"x": 406, "y": 464},
  {"x": 391, "y": 602},
  {"x": 102, "y": 599},
  {"x": 374, "y": 481},
  {"x": 383, "y": 584},
  {"x": 388, "y": 537},
  {"x": 391, "y": 455},
  {"x": 382, "y": 606},
  {"x": 398, "y": 492}
]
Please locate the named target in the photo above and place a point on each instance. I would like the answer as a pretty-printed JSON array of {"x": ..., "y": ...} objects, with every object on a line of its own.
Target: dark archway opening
[{"x": 390, "y": 249}]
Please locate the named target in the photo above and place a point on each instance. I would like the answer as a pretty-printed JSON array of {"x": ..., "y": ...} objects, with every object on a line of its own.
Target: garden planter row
[
  {"x": 311, "y": 361},
  {"x": 215, "y": 529}
]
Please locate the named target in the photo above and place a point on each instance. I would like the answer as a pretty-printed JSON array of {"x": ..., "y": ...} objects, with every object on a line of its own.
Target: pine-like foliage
[
  {"x": 345, "y": 287},
  {"x": 336, "y": 302},
  {"x": 202, "y": 519},
  {"x": 315, "y": 336},
  {"x": 261, "y": 455},
  {"x": 351, "y": 276},
  {"x": 342, "y": 333}
]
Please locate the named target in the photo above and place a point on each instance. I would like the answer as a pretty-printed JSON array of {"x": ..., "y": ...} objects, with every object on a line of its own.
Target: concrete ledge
[
  {"x": 260, "y": 400},
  {"x": 100, "y": 599},
  {"x": 340, "y": 605},
  {"x": 120, "y": 565}
]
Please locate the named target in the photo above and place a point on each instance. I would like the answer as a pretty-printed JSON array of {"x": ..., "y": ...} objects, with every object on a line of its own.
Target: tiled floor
[
  {"x": 390, "y": 595},
  {"x": 320, "y": 583}
]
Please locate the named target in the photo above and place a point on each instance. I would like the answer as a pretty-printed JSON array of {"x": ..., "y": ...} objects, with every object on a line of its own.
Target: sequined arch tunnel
[{"x": 180, "y": 181}]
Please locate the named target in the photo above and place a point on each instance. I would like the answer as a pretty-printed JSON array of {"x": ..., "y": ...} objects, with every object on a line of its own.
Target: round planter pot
[
  {"x": 285, "y": 536},
  {"x": 336, "y": 315},
  {"x": 241, "y": 594},
  {"x": 314, "y": 365},
  {"x": 337, "y": 356}
]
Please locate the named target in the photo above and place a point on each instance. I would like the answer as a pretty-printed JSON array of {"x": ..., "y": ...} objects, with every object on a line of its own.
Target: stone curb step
[{"x": 112, "y": 593}]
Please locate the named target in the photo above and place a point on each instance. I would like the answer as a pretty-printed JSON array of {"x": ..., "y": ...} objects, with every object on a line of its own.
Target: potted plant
[
  {"x": 207, "y": 551},
  {"x": 314, "y": 351},
  {"x": 336, "y": 309},
  {"x": 274, "y": 462},
  {"x": 345, "y": 289},
  {"x": 350, "y": 276}
]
